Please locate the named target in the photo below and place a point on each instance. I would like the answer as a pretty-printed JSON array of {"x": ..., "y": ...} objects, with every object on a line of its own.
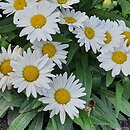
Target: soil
[
  {"x": 3, "y": 123},
  {"x": 125, "y": 124}
]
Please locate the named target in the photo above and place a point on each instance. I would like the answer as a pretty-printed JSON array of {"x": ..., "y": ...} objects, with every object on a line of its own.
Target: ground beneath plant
[
  {"x": 3, "y": 123},
  {"x": 124, "y": 124}
]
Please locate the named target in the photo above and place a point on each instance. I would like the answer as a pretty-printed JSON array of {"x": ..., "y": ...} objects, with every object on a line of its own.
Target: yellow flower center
[
  {"x": 30, "y": 73},
  {"x": 89, "y": 32},
  {"x": 127, "y": 36},
  {"x": 49, "y": 49},
  {"x": 20, "y": 4},
  {"x": 119, "y": 57},
  {"x": 38, "y": 21},
  {"x": 108, "y": 38},
  {"x": 62, "y": 1},
  {"x": 70, "y": 20},
  {"x": 62, "y": 96},
  {"x": 5, "y": 67}
]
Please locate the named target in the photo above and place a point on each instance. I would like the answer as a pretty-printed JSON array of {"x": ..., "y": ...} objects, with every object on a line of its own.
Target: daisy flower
[
  {"x": 65, "y": 3},
  {"x": 6, "y": 71},
  {"x": 126, "y": 31},
  {"x": 91, "y": 34},
  {"x": 0, "y": 15},
  {"x": 72, "y": 18},
  {"x": 14, "y": 6},
  {"x": 117, "y": 60},
  {"x": 31, "y": 73},
  {"x": 39, "y": 22},
  {"x": 63, "y": 97},
  {"x": 55, "y": 51},
  {"x": 113, "y": 35}
]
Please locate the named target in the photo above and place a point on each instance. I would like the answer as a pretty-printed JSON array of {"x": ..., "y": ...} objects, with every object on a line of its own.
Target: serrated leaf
[
  {"x": 97, "y": 117},
  {"x": 99, "y": 121},
  {"x": 109, "y": 116},
  {"x": 21, "y": 122},
  {"x": 84, "y": 121},
  {"x": 119, "y": 91},
  {"x": 125, "y": 105},
  {"x": 37, "y": 123},
  {"x": 109, "y": 79}
]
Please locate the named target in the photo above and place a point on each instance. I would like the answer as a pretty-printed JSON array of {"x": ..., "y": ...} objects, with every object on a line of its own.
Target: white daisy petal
[
  {"x": 54, "y": 50},
  {"x": 6, "y": 70},
  {"x": 90, "y": 34},
  {"x": 65, "y": 3},
  {"x": 60, "y": 99},
  {"x": 34, "y": 73},
  {"x": 117, "y": 60},
  {"x": 39, "y": 21},
  {"x": 72, "y": 18}
]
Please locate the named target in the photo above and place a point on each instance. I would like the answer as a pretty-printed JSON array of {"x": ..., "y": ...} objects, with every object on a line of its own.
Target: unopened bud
[{"x": 107, "y": 3}]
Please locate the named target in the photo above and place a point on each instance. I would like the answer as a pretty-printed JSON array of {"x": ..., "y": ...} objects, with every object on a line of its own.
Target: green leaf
[
  {"x": 108, "y": 114},
  {"x": 17, "y": 99},
  {"x": 96, "y": 2},
  {"x": 37, "y": 123},
  {"x": 29, "y": 105},
  {"x": 125, "y": 105},
  {"x": 55, "y": 124},
  {"x": 72, "y": 51},
  {"x": 97, "y": 117},
  {"x": 13, "y": 98},
  {"x": 84, "y": 121},
  {"x": 96, "y": 81},
  {"x": 85, "y": 77},
  {"x": 6, "y": 25},
  {"x": 21, "y": 122},
  {"x": 126, "y": 86},
  {"x": 119, "y": 91},
  {"x": 79, "y": 71},
  {"x": 6, "y": 95},
  {"x": 85, "y": 5},
  {"x": 109, "y": 79},
  {"x": 61, "y": 38},
  {"x": 12, "y": 114},
  {"x": 125, "y": 5},
  {"x": 108, "y": 15},
  {"x": 87, "y": 84},
  {"x": 84, "y": 60},
  {"x": 4, "y": 105},
  {"x": 99, "y": 121}
]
